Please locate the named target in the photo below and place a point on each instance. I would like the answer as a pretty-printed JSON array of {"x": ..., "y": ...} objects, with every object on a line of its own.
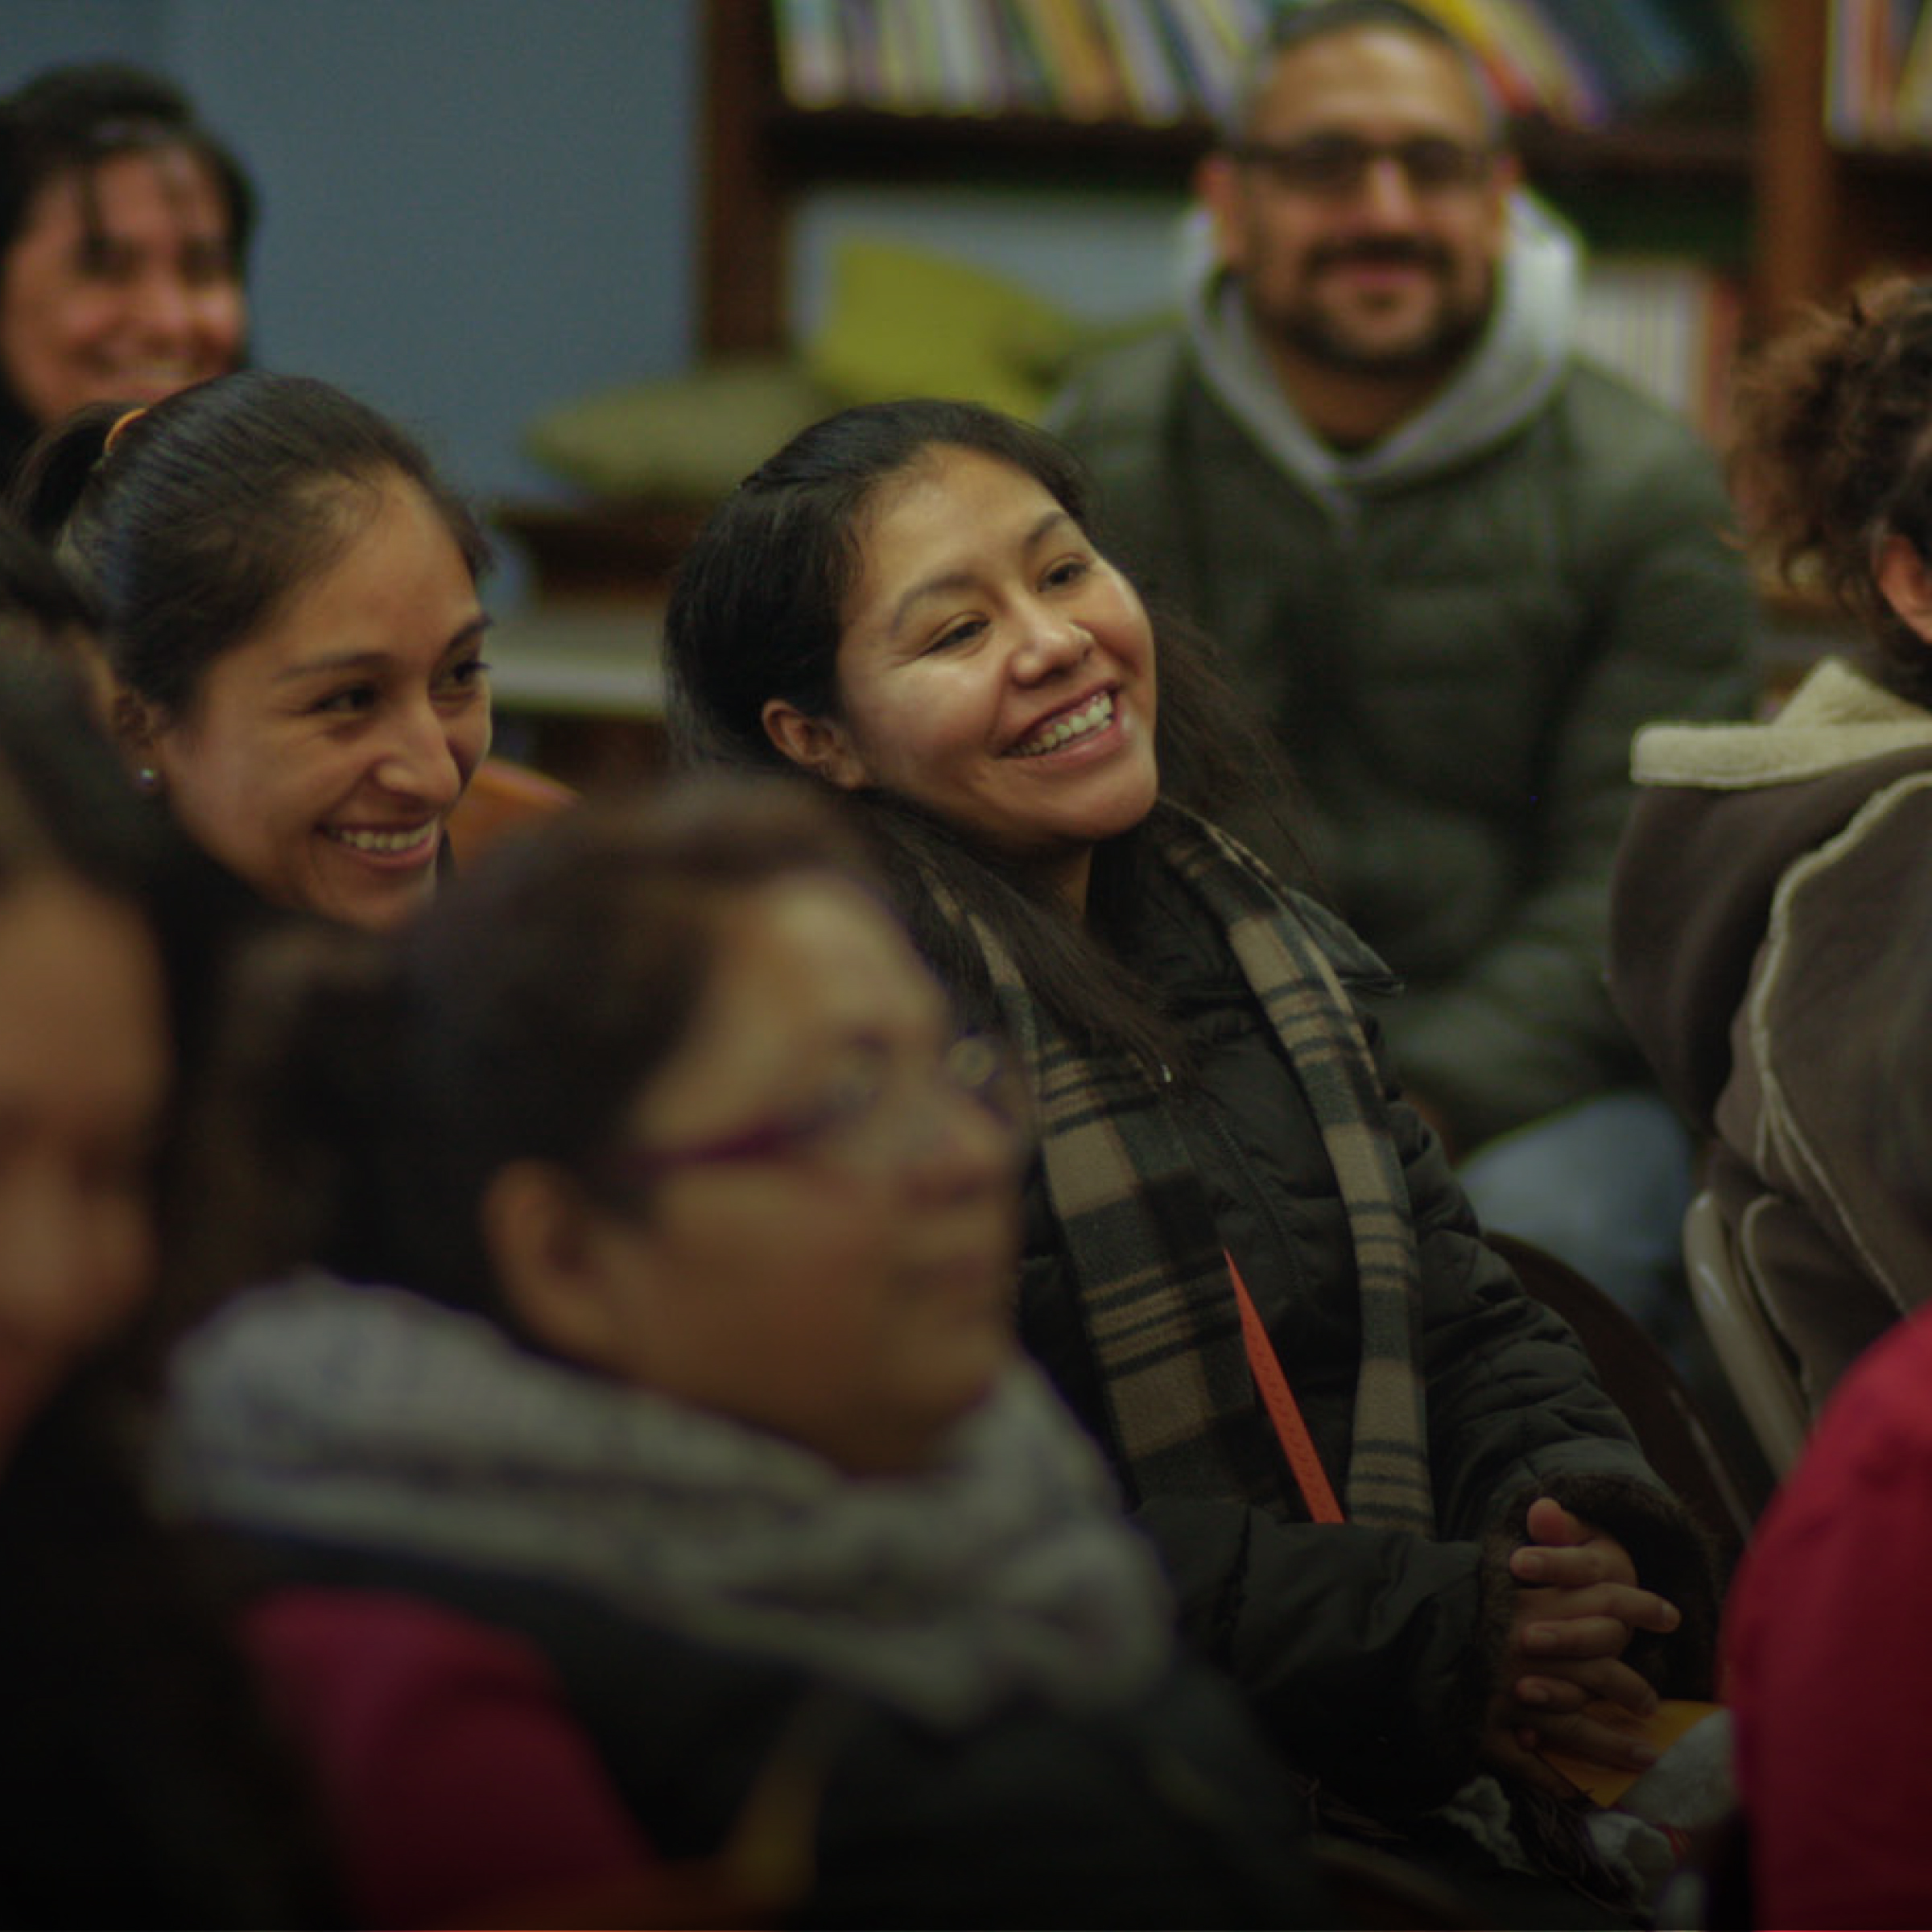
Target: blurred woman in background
[
  {"x": 124, "y": 232},
  {"x": 689, "y": 1429}
]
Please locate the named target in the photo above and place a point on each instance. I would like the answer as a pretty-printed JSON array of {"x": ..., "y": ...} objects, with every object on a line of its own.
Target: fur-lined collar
[{"x": 1837, "y": 716}]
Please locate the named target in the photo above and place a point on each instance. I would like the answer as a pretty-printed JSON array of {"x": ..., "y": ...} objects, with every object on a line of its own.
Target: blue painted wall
[
  {"x": 36, "y": 33},
  {"x": 471, "y": 208}
]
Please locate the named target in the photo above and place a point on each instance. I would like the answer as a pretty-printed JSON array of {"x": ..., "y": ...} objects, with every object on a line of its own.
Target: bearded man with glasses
[{"x": 1457, "y": 565}]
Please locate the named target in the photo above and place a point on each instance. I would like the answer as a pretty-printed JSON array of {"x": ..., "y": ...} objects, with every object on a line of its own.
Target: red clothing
[
  {"x": 454, "y": 1778},
  {"x": 1829, "y": 1661}
]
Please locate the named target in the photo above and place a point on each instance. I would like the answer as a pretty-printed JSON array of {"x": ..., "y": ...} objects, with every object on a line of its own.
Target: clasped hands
[{"x": 1578, "y": 1604}]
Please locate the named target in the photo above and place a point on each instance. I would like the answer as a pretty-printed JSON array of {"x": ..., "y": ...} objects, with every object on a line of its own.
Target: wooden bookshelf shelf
[
  {"x": 1721, "y": 150},
  {"x": 1765, "y": 190},
  {"x": 1908, "y": 164},
  {"x": 829, "y": 143},
  {"x": 1828, "y": 212},
  {"x": 761, "y": 153}
]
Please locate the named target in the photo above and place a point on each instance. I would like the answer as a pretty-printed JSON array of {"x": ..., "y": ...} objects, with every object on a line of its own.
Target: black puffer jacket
[{"x": 1369, "y": 1653}]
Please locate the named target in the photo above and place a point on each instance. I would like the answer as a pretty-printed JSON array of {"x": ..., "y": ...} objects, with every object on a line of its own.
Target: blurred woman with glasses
[{"x": 680, "y": 1515}]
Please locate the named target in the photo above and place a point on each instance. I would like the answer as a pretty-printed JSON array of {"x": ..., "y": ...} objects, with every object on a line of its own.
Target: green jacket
[{"x": 1456, "y": 635}]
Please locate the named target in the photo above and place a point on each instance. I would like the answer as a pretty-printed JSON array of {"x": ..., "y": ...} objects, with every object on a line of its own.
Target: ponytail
[{"x": 47, "y": 488}]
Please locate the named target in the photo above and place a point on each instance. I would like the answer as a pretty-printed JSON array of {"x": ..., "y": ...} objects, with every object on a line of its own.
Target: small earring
[{"x": 147, "y": 779}]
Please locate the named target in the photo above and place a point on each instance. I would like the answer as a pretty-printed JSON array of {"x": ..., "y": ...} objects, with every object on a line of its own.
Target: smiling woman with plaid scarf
[{"x": 1397, "y": 1505}]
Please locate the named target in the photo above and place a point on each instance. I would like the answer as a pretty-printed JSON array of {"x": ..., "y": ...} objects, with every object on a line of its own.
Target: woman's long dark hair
[{"x": 756, "y": 614}]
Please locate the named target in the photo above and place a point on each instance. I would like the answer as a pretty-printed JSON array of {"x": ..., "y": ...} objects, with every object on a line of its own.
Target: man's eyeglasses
[
  {"x": 1334, "y": 166},
  {"x": 876, "y": 1111}
]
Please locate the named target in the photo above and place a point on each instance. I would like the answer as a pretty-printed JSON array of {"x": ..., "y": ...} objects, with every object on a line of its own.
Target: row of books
[
  {"x": 1672, "y": 326},
  {"x": 1581, "y": 62},
  {"x": 1135, "y": 60},
  {"x": 1878, "y": 72},
  {"x": 1590, "y": 63}
]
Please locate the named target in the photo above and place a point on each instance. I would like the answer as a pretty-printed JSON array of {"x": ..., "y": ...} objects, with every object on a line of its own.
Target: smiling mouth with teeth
[
  {"x": 386, "y": 843},
  {"x": 1070, "y": 725}
]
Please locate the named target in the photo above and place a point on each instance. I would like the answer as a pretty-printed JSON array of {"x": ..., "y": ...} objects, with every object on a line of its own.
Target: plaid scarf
[{"x": 1147, "y": 1261}]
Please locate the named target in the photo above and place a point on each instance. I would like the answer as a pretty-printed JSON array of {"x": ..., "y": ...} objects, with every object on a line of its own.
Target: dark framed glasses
[
  {"x": 876, "y": 1111},
  {"x": 1334, "y": 166}
]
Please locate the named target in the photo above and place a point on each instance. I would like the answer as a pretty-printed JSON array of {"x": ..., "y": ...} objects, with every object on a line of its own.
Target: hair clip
[{"x": 120, "y": 423}]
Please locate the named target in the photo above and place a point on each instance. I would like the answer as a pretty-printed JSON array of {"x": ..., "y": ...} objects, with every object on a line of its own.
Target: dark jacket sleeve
[
  {"x": 1370, "y": 1654},
  {"x": 1366, "y": 1653},
  {"x": 1516, "y": 1410}
]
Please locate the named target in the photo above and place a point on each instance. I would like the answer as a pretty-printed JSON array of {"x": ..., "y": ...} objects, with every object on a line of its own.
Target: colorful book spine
[
  {"x": 1029, "y": 80},
  {"x": 1140, "y": 53},
  {"x": 1577, "y": 62},
  {"x": 1557, "y": 85},
  {"x": 1473, "y": 22},
  {"x": 964, "y": 79},
  {"x": 1210, "y": 59},
  {"x": 811, "y": 53},
  {"x": 1080, "y": 74},
  {"x": 1914, "y": 112},
  {"x": 858, "y": 35},
  {"x": 1878, "y": 72},
  {"x": 904, "y": 67}
]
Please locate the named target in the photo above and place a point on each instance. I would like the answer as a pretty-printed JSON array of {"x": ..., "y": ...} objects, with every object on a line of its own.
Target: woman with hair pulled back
[
  {"x": 682, "y": 1496},
  {"x": 1764, "y": 922},
  {"x": 1386, "y": 1482},
  {"x": 287, "y": 599}
]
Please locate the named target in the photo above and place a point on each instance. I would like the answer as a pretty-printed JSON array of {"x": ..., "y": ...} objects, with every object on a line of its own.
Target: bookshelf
[
  {"x": 1843, "y": 175},
  {"x": 1822, "y": 175},
  {"x": 1680, "y": 184},
  {"x": 761, "y": 153},
  {"x": 1842, "y": 170}
]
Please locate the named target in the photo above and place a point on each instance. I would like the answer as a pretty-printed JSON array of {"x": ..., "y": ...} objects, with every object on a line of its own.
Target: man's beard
[{"x": 1308, "y": 330}]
